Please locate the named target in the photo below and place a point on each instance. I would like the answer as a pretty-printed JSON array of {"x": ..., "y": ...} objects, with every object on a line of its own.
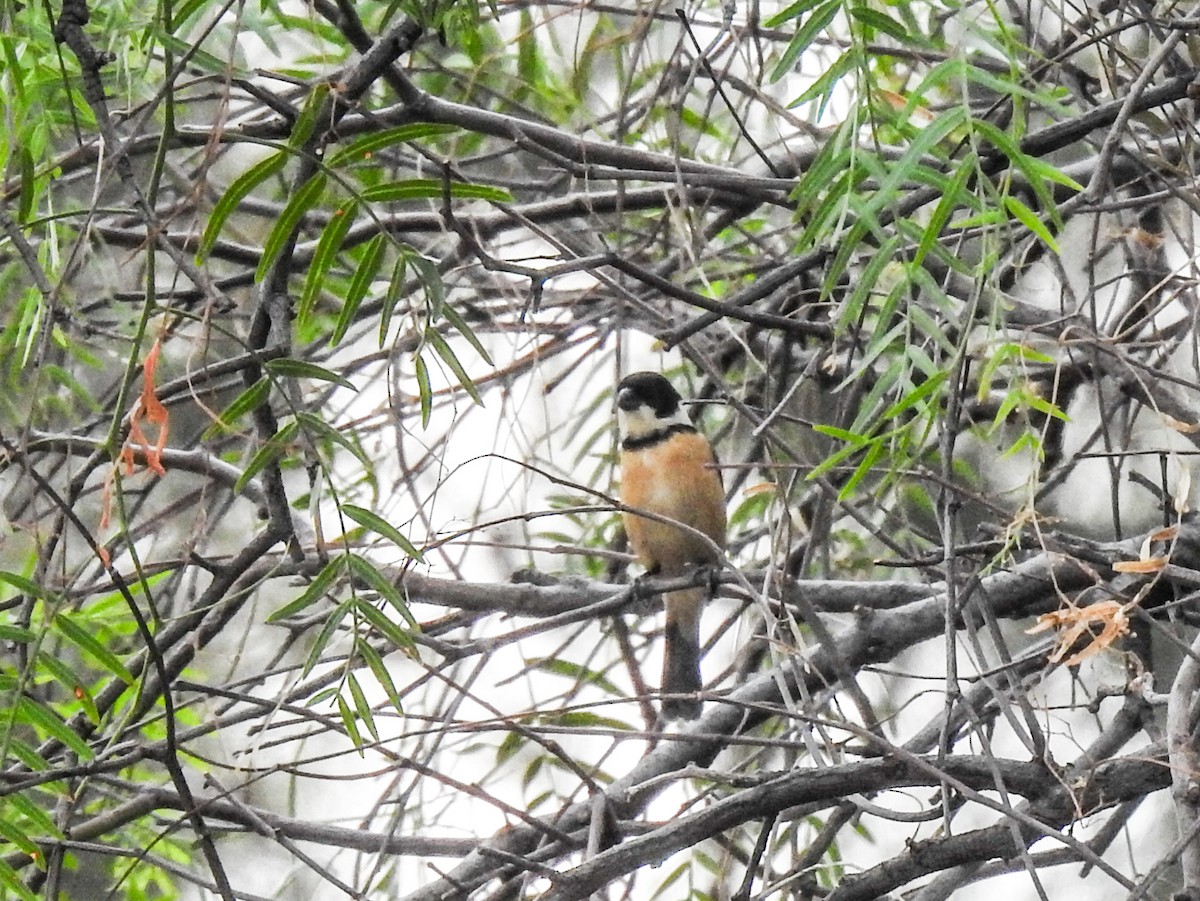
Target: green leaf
[
  {"x": 316, "y": 590},
  {"x": 199, "y": 58},
  {"x": 387, "y": 627},
  {"x": 804, "y": 36},
  {"x": 360, "y": 283},
  {"x": 271, "y": 451},
  {"x": 583, "y": 719},
  {"x": 39, "y": 821},
  {"x": 361, "y": 707},
  {"x": 874, "y": 452},
  {"x": 233, "y": 195},
  {"x": 16, "y": 634},
  {"x": 366, "y": 571},
  {"x": 11, "y": 880},
  {"x": 361, "y": 149},
  {"x": 349, "y": 723},
  {"x": 70, "y": 680},
  {"x": 824, "y": 85},
  {"x": 793, "y": 11},
  {"x": 833, "y": 431},
  {"x": 573, "y": 671},
  {"x": 328, "y": 628},
  {"x": 1035, "y": 166},
  {"x": 381, "y": 526},
  {"x": 288, "y": 222},
  {"x": 946, "y": 205},
  {"x": 379, "y": 670},
  {"x": 1031, "y": 221},
  {"x": 326, "y": 252},
  {"x": 24, "y": 585},
  {"x": 28, "y": 184},
  {"x": 392, "y": 298},
  {"x": 452, "y": 316},
  {"x": 835, "y": 459},
  {"x": 431, "y": 281},
  {"x": 433, "y": 189},
  {"x": 250, "y": 399},
  {"x": 424, "y": 390},
  {"x": 880, "y": 21},
  {"x": 42, "y": 717},
  {"x": 302, "y": 369},
  {"x": 87, "y": 642},
  {"x": 316, "y": 427},
  {"x": 447, "y": 354},
  {"x": 914, "y": 397},
  {"x": 310, "y": 115},
  {"x": 29, "y": 756}
]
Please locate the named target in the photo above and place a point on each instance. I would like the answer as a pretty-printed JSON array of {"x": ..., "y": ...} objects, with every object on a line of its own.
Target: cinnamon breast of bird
[{"x": 676, "y": 478}]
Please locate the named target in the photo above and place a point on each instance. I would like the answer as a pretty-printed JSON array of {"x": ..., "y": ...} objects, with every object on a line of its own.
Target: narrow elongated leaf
[
  {"x": 302, "y": 369},
  {"x": 914, "y": 397},
  {"x": 387, "y": 627},
  {"x": 360, "y": 283},
  {"x": 824, "y": 85},
  {"x": 310, "y": 115},
  {"x": 792, "y": 11},
  {"x": 86, "y": 642},
  {"x": 12, "y": 881},
  {"x": 804, "y": 36},
  {"x": 880, "y": 21},
  {"x": 452, "y": 316},
  {"x": 29, "y": 756},
  {"x": 361, "y": 707},
  {"x": 266, "y": 455},
  {"x": 233, "y": 195},
  {"x": 39, "y": 821},
  {"x": 332, "y": 623},
  {"x": 318, "y": 428},
  {"x": 250, "y": 399},
  {"x": 874, "y": 452},
  {"x": 1030, "y": 220},
  {"x": 381, "y": 526},
  {"x": 946, "y": 205},
  {"x": 433, "y": 189},
  {"x": 69, "y": 679},
  {"x": 314, "y": 592},
  {"x": 438, "y": 343},
  {"x": 361, "y": 149},
  {"x": 424, "y": 390},
  {"x": 363, "y": 569},
  {"x": 328, "y": 247},
  {"x": 379, "y": 670},
  {"x": 36, "y": 714},
  {"x": 23, "y": 585},
  {"x": 349, "y": 723},
  {"x": 431, "y": 281},
  {"x": 393, "y": 296},
  {"x": 287, "y": 223},
  {"x": 16, "y": 634}
]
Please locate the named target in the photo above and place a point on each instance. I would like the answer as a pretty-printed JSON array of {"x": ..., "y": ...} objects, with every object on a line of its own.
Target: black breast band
[{"x": 653, "y": 438}]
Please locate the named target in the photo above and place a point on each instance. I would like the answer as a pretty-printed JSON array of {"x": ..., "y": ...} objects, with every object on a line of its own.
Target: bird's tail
[{"x": 681, "y": 664}]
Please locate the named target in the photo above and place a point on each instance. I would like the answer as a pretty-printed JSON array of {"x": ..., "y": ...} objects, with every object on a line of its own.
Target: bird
[{"x": 668, "y": 468}]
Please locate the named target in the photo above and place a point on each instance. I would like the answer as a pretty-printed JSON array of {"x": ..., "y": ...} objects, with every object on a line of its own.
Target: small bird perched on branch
[{"x": 668, "y": 468}]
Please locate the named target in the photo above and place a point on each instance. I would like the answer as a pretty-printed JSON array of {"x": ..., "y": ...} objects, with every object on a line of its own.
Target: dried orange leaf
[
  {"x": 760, "y": 488},
  {"x": 1166, "y": 533},
  {"x": 1147, "y": 565},
  {"x": 151, "y": 410},
  {"x": 1185, "y": 428},
  {"x": 1076, "y": 622}
]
